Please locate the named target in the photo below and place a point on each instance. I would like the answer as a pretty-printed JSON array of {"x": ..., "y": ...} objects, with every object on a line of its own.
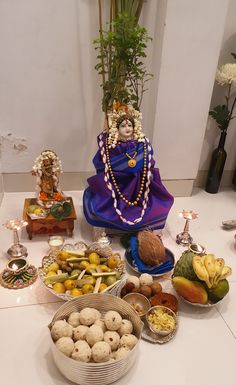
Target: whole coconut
[{"x": 150, "y": 248}]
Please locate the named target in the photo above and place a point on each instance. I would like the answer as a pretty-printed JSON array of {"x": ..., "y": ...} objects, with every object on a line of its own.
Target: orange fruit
[
  {"x": 63, "y": 255},
  {"x": 84, "y": 264},
  {"x": 113, "y": 262},
  {"x": 59, "y": 287},
  {"x": 50, "y": 273},
  {"x": 94, "y": 258},
  {"x": 102, "y": 287},
  {"x": 76, "y": 292},
  {"x": 69, "y": 284},
  {"x": 87, "y": 288}
]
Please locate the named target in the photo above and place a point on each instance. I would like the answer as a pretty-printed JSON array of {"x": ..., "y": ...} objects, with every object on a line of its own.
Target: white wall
[
  {"x": 212, "y": 133},
  {"x": 191, "y": 45},
  {"x": 50, "y": 95}
]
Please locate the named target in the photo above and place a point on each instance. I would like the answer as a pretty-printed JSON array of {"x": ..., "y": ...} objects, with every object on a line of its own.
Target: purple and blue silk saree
[{"x": 98, "y": 203}]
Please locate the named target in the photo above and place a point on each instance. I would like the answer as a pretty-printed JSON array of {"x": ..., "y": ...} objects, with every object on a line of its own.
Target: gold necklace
[
  {"x": 131, "y": 162},
  {"x": 135, "y": 202}
]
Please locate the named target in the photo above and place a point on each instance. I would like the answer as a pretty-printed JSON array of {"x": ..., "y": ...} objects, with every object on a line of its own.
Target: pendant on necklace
[{"x": 132, "y": 163}]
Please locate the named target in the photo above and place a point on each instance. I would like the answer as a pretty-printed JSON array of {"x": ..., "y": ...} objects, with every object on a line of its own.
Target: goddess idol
[{"x": 126, "y": 193}]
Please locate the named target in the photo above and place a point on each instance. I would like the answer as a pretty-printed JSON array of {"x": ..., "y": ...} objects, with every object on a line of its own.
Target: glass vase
[{"x": 216, "y": 166}]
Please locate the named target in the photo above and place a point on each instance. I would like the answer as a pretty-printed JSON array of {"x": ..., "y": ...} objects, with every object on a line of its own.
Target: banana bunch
[{"x": 210, "y": 269}]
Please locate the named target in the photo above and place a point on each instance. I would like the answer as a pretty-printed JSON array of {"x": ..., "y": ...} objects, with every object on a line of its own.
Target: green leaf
[{"x": 221, "y": 114}]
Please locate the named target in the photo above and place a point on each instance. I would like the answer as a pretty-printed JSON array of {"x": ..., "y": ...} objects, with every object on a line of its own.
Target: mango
[{"x": 192, "y": 291}]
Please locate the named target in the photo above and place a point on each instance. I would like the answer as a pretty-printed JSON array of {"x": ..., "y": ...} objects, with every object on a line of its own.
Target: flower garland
[
  {"x": 110, "y": 186},
  {"x": 47, "y": 154}
]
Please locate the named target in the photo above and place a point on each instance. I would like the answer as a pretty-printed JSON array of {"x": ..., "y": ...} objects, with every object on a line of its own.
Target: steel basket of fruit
[
  {"x": 200, "y": 280},
  {"x": 71, "y": 273}
]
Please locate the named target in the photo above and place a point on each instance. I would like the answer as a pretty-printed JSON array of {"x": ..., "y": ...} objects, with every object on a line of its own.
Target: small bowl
[
  {"x": 17, "y": 265},
  {"x": 56, "y": 242},
  {"x": 162, "y": 332},
  {"x": 139, "y": 303}
]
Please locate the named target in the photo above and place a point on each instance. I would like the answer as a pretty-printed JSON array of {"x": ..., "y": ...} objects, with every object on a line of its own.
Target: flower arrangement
[{"x": 223, "y": 114}]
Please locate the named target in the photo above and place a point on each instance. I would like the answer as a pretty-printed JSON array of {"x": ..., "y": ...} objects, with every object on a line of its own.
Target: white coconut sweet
[
  {"x": 128, "y": 341},
  {"x": 126, "y": 327},
  {"x": 94, "y": 334},
  {"x": 133, "y": 279},
  {"x": 112, "y": 320},
  {"x": 100, "y": 322},
  {"x": 145, "y": 279},
  {"x": 88, "y": 316},
  {"x": 101, "y": 351},
  {"x": 61, "y": 329},
  {"x": 112, "y": 338},
  {"x": 79, "y": 333},
  {"x": 81, "y": 352},
  {"x": 65, "y": 345},
  {"x": 121, "y": 353},
  {"x": 73, "y": 319}
]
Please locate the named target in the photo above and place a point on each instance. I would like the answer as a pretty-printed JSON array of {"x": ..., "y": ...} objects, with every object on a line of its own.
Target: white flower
[{"x": 226, "y": 74}]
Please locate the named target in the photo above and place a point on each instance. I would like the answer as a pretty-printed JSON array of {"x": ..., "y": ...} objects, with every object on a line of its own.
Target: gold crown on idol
[{"x": 115, "y": 117}]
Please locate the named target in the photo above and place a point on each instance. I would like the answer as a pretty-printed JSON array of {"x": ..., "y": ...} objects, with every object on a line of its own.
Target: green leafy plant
[
  {"x": 121, "y": 50},
  {"x": 225, "y": 76}
]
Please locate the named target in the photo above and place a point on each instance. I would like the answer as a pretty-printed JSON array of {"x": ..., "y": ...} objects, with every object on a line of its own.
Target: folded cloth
[{"x": 143, "y": 267}]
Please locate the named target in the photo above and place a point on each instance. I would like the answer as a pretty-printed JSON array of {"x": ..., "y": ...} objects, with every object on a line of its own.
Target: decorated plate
[
  {"x": 131, "y": 263},
  {"x": 43, "y": 274}
]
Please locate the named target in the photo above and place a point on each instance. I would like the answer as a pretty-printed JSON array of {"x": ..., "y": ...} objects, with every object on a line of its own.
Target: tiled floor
[{"x": 204, "y": 348}]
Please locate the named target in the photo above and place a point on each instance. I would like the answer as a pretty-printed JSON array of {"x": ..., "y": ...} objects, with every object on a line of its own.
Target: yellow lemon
[
  {"x": 59, "y": 287},
  {"x": 102, "y": 287},
  {"x": 69, "y": 284},
  {"x": 50, "y": 273},
  {"x": 38, "y": 211},
  {"x": 54, "y": 266},
  {"x": 76, "y": 292},
  {"x": 94, "y": 258},
  {"x": 113, "y": 262},
  {"x": 87, "y": 288}
]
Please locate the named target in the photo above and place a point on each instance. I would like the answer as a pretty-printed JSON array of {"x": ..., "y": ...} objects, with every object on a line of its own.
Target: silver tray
[{"x": 147, "y": 334}]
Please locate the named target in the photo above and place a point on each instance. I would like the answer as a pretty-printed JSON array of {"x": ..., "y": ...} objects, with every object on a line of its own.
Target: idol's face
[{"x": 126, "y": 130}]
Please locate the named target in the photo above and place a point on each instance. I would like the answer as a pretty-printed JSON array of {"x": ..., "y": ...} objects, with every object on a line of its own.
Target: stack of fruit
[
  {"x": 201, "y": 279},
  {"x": 36, "y": 211},
  {"x": 77, "y": 275}
]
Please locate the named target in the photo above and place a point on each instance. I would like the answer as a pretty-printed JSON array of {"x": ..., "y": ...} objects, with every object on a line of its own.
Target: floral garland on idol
[
  {"x": 56, "y": 169},
  {"x": 111, "y": 141}
]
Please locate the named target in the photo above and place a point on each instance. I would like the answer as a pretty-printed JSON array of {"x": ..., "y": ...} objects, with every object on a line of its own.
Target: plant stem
[
  {"x": 228, "y": 96},
  {"x": 232, "y": 108},
  {"x": 101, "y": 38},
  {"x": 138, "y": 11}
]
